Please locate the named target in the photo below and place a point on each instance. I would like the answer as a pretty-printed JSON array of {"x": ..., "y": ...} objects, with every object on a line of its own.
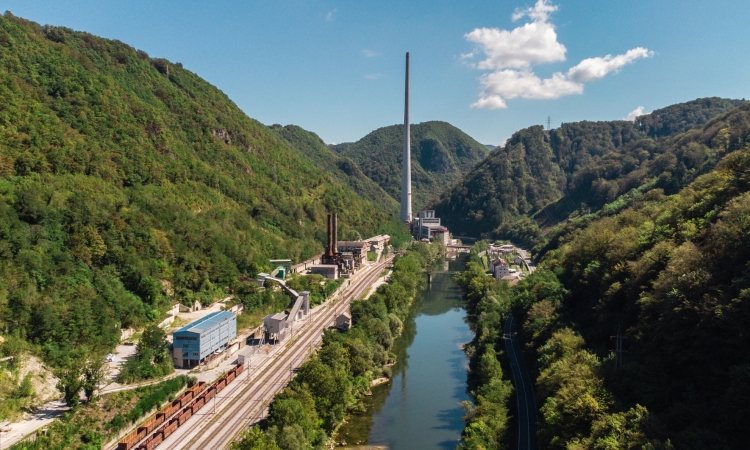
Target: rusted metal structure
[{"x": 161, "y": 425}]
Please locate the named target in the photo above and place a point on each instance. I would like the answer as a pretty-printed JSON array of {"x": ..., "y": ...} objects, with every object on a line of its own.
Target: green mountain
[
  {"x": 666, "y": 267},
  {"x": 672, "y": 272},
  {"x": 440, "y": 154},
  {"x": 578, "y": 167},
  {"x": 342, "y": 169},
  {"x": 127, "y": 181}
]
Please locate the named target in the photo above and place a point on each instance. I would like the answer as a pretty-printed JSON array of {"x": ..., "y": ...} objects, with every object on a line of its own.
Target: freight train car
[{"x": 174, "y": 415}]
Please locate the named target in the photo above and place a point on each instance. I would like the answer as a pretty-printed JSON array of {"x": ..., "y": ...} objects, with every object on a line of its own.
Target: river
[{"x": 420, "y": 407}]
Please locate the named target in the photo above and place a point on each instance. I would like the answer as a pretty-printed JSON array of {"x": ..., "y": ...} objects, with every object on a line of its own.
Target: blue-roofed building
[{"x": 197, "y": 340}]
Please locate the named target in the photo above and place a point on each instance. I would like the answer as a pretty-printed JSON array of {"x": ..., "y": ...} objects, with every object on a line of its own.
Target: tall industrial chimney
[
  {"x": 329, "y": 247},
  {"x": 406, "y": 163},
  {"x": 335, "y": 245}
]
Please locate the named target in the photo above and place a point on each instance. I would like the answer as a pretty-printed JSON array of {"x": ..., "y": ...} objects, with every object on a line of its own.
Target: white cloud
[
  {"x": 374, "y": 76},
  {"x": 634, "y": 114},
  {"x": 540, "y": 11},
  {"x": 468, "y": 55},
  {"x": 329, "y": 16},
  {"x": 510, "y": 56},
  {"x": 490, "y": 102},
  {"x": 532, "y": 43},
  {"x": 510, "y": 84},
  {"x": 592, "y": 69},
  {"x": 370, "y": 53}
]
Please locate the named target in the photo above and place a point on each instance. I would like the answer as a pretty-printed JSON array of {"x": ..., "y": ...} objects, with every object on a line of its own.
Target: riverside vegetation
[
  {"x": 487, "y": 302},
  {"x": 578, "y": 411},
  {"x": 665, "y": 265},
  {"x": 308, "y": 411},
  {"x": 128, "y": 183}
]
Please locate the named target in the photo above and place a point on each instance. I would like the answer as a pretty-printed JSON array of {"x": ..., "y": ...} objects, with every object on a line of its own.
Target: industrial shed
[{"x": 197, "y": 340}]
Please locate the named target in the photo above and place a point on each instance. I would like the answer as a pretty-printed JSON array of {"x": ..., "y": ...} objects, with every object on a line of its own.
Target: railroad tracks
[
  {"x": 246, "y": 402},
  {"x": 526, "y": 412}
]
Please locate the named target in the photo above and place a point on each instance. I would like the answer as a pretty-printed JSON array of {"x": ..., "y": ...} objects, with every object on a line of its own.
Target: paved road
[
  {"x": 524, "y": 255},
  {"x": 526, "y": 402},
  {"x": 14, "y": 432},
  {"x": 245, "y": 401}
]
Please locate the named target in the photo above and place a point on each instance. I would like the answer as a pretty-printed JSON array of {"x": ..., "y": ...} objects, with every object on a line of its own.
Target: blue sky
[{"x": 336, "y": 67}]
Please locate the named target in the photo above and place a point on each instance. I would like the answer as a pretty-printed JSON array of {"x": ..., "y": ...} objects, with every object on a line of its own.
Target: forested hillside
[
  {"x": 440, "y": 155},
  {"x": 580, "y": 167},
  {"x": 127, "y": 182},
  {"x": 342, "y": 169},
  {"x": 671, "y": 274}
]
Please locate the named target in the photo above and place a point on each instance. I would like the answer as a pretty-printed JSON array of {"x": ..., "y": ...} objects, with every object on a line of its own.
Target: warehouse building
[
  {"x": 198, "y": 340},
  {"x": 327, "y": 270},
  {"x": 358, "y": 249}
]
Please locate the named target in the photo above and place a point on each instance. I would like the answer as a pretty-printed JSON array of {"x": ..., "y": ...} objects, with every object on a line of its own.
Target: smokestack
[
  {"x": 335, "y": 233},
  {"x": 329, "y": 252},
  {"x": 406, "y": 162}
]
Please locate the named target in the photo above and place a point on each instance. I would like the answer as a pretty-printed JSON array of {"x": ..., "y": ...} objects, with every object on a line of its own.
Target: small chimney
[
  {"x": 329, "y": 247},
  {"x": 335, "y": 233}
]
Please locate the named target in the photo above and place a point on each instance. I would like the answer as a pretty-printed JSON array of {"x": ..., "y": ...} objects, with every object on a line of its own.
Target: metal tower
[{"x": 406, "y": 164}]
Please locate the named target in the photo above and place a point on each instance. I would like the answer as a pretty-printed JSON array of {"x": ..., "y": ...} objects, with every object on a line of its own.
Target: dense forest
[
  {"x": 666, "y": 265},
  {"x": 127, "y": 183},
  {"x": 440, "y": 155},
  {"x": 342, "y": 169},
  {"x": 580, "y": 167}
]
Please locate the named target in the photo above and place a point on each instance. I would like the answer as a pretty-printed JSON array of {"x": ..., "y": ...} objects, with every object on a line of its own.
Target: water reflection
[{"x": 420, "y": 408}]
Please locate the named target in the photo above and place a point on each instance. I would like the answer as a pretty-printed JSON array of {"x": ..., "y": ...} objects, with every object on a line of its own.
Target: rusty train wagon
[{"x": 175, "y": 414}]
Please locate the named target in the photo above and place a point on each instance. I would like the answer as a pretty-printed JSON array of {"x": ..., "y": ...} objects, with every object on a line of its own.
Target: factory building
[
  {"x": 198, "y": 340},
  {"x": 425, "y": 225},
  {"x": 282, "y": 267},
  {"x": 358, "y": 250},
  {"x": 344, "y": 260},
  {"x": 327, "y": 270},
  {"x": 379, "y": 242},
  {"x": 276, "y": 325}
]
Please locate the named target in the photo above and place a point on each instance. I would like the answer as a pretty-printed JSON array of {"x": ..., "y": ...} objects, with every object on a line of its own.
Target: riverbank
[
  {"x": 487, "y": 304},
  {"x": 421, "y": 407}
]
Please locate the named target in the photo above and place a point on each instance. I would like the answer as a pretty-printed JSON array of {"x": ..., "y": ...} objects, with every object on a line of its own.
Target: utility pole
[{"x": 618, "y": 348}]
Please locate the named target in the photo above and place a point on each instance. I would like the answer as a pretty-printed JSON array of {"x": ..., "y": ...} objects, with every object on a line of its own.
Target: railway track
[
  {"x": 246, "y": 402},
  {"x": 526, "y": 410}
]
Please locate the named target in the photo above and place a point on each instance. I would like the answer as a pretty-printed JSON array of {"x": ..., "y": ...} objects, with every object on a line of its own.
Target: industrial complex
[
  {"x": 341, "y": 259},
  {"x": 425, "y": 226}
]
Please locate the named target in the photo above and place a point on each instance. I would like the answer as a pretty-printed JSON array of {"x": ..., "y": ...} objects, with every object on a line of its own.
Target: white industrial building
[
  {"x": 426, "y": 225},
  {"x": 327, "y": 270}
]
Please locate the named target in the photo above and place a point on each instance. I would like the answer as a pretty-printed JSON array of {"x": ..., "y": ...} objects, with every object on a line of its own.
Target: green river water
[{"x": 420, "y": 407}]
